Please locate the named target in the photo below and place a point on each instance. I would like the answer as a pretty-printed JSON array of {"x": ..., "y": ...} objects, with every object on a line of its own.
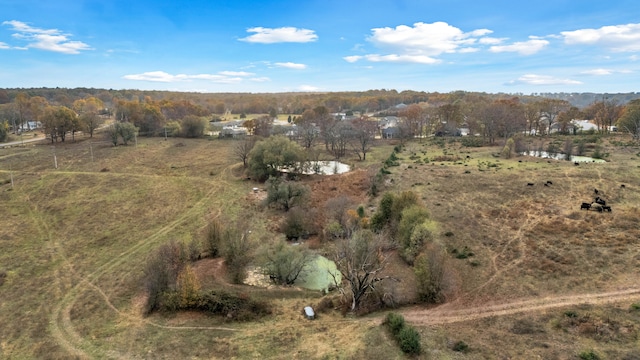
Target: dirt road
[{"x": 447, "y": 313}]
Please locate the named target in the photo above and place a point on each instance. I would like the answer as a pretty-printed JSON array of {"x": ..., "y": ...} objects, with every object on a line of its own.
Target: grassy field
[{"x": 74, "y": 240}]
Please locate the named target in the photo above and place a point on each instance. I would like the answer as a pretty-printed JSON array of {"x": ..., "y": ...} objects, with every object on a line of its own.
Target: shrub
[
  {"x": 460, "y": 346},
  {"x": 635, "y": 307},
  {"x": 298, "y": 224},
  {"x": 237, "y": 307},
  {"x": 237, "y": 252},
  {"x": 471, "y": 141},
  {"x": 333, "y": 230},
  {"x": 395, "y": 323},
  {"x": 213, "y": 238},
  {"x": 409, "y": 340},
  {"x": 161, "y": 273},
  {"x": 589, "y": 355}
]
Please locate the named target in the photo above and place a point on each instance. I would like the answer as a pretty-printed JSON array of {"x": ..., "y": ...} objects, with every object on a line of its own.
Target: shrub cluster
[
  {"x": 407, "y": 337},
  {"x": 237, "y": 307}
]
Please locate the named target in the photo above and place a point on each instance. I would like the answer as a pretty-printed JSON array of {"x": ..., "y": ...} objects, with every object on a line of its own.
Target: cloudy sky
[{"x": 329, "y": 45}]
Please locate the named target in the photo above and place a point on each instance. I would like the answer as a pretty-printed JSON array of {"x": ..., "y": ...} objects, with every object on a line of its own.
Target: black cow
[
  {"x": 606, "y": 208},
  {"x": 529, "y": 184},
  {"x": 595, "y": 191},
  {"x": 600, "y": 201},
  {"x": 585, "y": 206},
  {"x": 549, "y": 182}
]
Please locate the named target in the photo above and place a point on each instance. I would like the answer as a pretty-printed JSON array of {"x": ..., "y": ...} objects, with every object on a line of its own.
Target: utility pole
[
  {"x": 11, "y": 175},
  {"x": 55, "y": 159},
  {"x": 91, "y": 150}
]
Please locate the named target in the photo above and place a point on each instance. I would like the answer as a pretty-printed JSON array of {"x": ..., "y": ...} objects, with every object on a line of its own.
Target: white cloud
[
  {"x": 46, "y": 39},
  {"x": 491, "y": 40},
  {"x": 425, "y": 39},
  {"x": 260, "y": 79},
  {"x": 620, "y": 38},
  {"x": 529, "y": 47},
  {"x": 422, "y": 43},
  {"x": 418, "y": 59},
  {"x": 224, "y": 77},
  {"x": 4, "y": 45},
  {"x": 598, "y": 72},
  {"x": 308, "y": 88},
  {"x": 236, "y": 73},
  {"x": 532, "y": 79},
  {"x": 290, "y": 65},
  {"x": 280, "y": 35},
  {"x": 352, "y": 58}
]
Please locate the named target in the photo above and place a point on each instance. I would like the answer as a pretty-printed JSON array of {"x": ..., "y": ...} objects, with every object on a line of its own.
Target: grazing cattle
[
  {"x": 546, "y": 184},
  {"x": 597, "y": 207},
  {"x": 529, "y": 184},
  {"x": 622, "y": 186},
  {"x": 606, "y": 208},
  {"x": 600, "y": 201},
  {"x": 576, "y": 163},
  {"x": 595, "y": 191},
  {"x": 549, "y": 182},
  {"x": 585, "y": 206}
]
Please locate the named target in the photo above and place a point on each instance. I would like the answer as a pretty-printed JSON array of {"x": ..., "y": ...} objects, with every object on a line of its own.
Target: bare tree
[
  {"x": 364, "y": 131},
  {"x": 361, "y": 261},
  {"x": 242, "y": 148}
]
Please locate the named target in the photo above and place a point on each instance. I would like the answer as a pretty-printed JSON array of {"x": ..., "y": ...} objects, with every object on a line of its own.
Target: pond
[
  {"x": 320, "y": 275},
  {"x": 323, "y": 168},
  {"x": 546, "y": 155}
]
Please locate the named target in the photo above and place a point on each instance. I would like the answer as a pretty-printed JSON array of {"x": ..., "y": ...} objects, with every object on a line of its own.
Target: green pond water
[{"x": 319, "y": 275}]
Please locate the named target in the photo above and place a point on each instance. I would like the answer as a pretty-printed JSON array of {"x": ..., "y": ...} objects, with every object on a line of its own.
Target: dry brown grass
[{"x": 73, "y": 242}]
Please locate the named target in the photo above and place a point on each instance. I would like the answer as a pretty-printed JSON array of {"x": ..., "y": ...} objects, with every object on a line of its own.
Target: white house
[{"x": 584, "y": 125}]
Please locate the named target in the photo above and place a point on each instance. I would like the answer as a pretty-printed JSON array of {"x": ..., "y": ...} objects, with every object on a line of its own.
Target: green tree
[
  {"x": 286, "y": 194},
  {"x": 193, "y": 126},
  {"x": 507, "y": 150},
  {"x": 630, "y": 119},
  {"x": 285, "y": 263},
  {"x": 272, "y": 155},
  {"x": 4, "y": 130},
  {"x": 188, "y": 287},
  {"x": 414, "y": 230},
  {"x": 431, "y": 275},
  {"x": 57, "y": 120},
  {"x": 127, "y": 131}
]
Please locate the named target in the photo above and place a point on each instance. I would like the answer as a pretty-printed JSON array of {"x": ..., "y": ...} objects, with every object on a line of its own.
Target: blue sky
[{"x": 329, "y": 45}]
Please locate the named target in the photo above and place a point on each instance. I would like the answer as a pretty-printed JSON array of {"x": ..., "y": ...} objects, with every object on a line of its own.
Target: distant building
[
  {"x": 233, "y": 131},
  {"x": 389, "y": 127},
  {"x": 584, "y": 125}
]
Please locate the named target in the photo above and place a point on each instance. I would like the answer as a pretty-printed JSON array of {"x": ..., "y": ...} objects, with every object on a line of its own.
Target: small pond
[
  {"x": 323, "y": 168},
  {"x": 327, "y": 168},
  {"x": 546, "y": 155},
  {"x": 319, "y": 276}
]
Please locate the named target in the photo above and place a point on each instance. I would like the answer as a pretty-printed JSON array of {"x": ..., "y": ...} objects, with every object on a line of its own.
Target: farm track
[
  {"x": 445, "y": 314},
  {"x": 60, "y": 324}
]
